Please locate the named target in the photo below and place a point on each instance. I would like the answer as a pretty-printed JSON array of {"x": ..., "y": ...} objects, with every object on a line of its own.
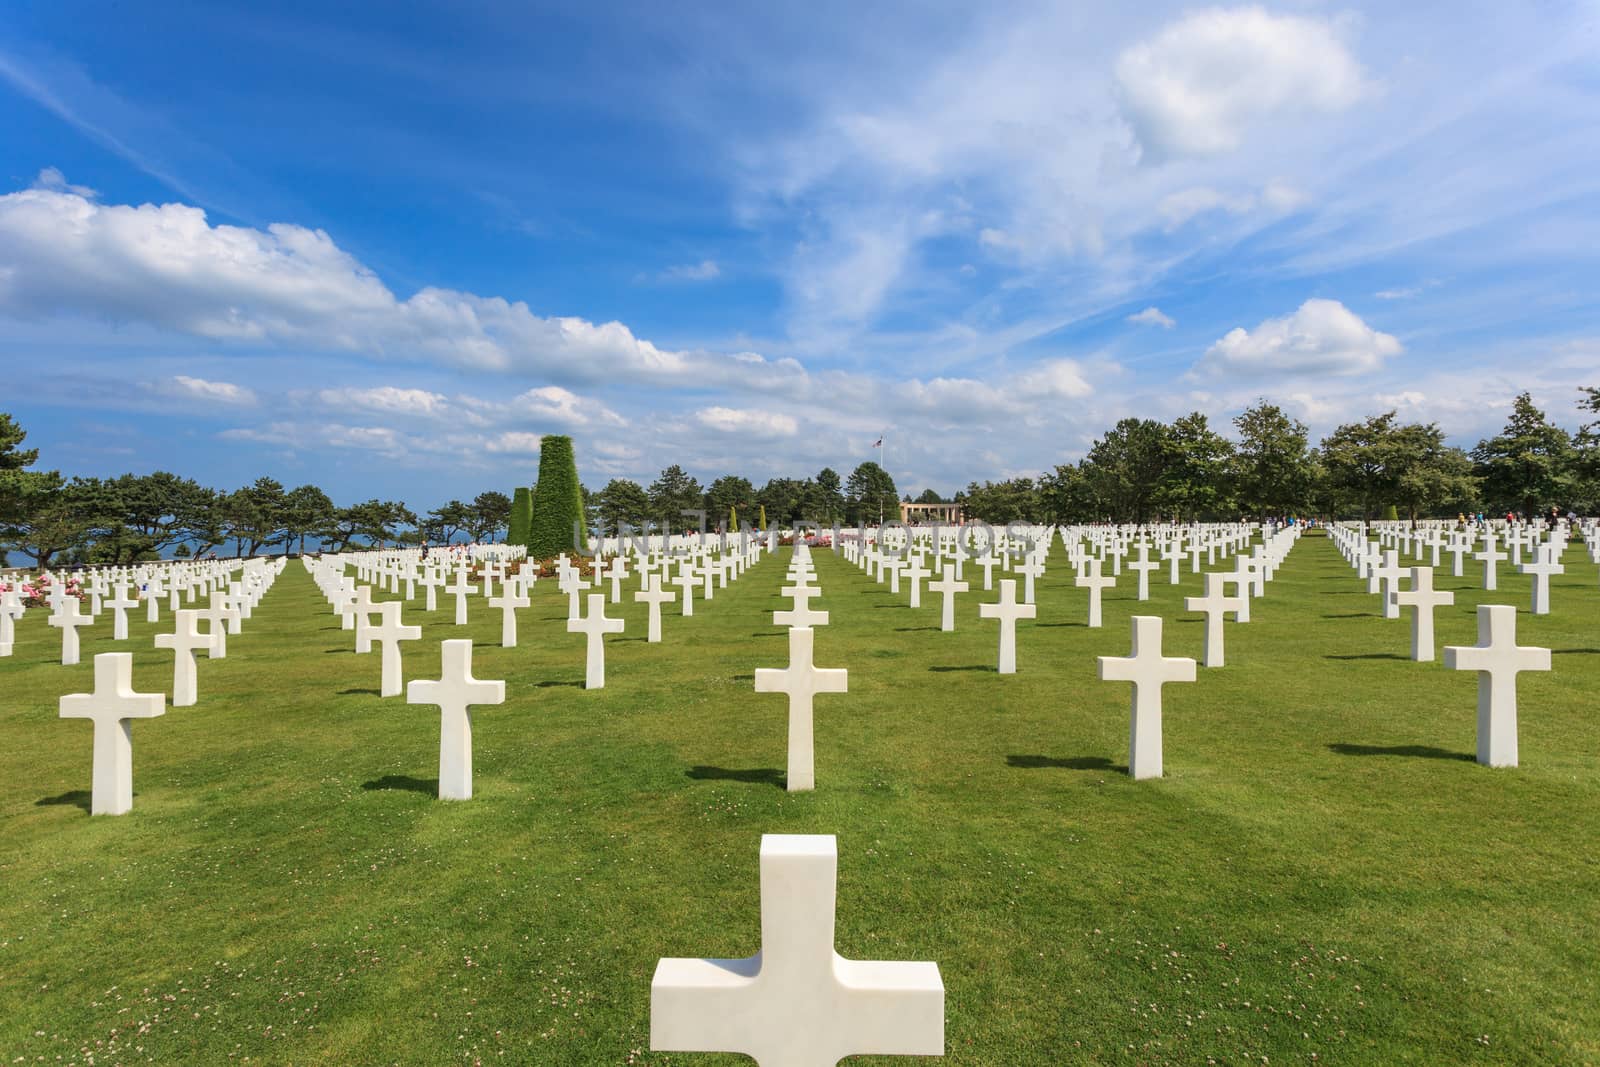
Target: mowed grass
[{"x": 1324, "y": 874}]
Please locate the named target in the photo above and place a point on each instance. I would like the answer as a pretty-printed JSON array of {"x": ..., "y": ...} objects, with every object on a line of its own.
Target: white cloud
[
  {"x": 52, "y": 179},
  {"x": 182, "y": 385},
  {"x": 516, "y": 442},
  {"x": 747, "y": 421},
  {"x": 704, "y": 271},
  {"x": 1199, "y": 85},
  {"x": 386, "y": 398},
  {"x": 1397, "y": 294},
  {"x": 1153, "y": 316},
  {"x": 1321, "y": 337},
  {"x": 551, "y": 403}
]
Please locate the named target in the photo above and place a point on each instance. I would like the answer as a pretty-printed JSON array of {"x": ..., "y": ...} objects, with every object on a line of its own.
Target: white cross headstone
[
  {"x": 1544, "y": 564},
  {"x": 1095, "y": 582},
  {"x": 455, "y": 694},
  {"x": 797, "y": 1002},
  {"x": 119, "y": 605},
  {"x": 948, "y": 586},
  {"x": 1498, "y": 659},
  {"x": 508, "y": 602},
  {"x": 459, "y": 589},
  {"x": 1148, "y": 670},
  {"x": 801, "y": 614},
  {"x": 802, "y": 681},
  {"x": 1215, "y": 606},
  {"x": 184, "y": 640},
  {"x": 389, "y": 632},
  {"x": 595, "y": 626},
  {"x": 1422, "y": 598},
  {"x": 68, "y": 619},
  {"x": 1008, "y": 611},
  {"x": 654, "y": 595},
  {"x": 1144, "y": 565},
  {"x": 111, "y": 707},
  {"x": 1489, "y": 557}
]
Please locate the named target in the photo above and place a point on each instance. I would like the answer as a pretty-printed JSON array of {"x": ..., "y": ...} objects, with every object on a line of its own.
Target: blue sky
[{"x": 384, "y": 250}]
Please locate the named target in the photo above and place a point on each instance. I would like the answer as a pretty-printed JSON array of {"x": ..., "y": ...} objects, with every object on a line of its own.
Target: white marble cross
[
  {"x": 389, "y": 632},
  {"x": 595, "y": 626},
  {"x": 218, "y": 613},
  {"x": 1498, "y": 659},
  {"x": 1389, "y": 573},
  {"x": 1095, "y": 582},
  {"x": 184, "y": 640},
  {"x": 459, "y": 589},
  {"x": 654, "y": 595},
  {"x": 685, "y": 581},
  {"x": 797, "y": 1002},
  {"x": 1008, "y": 611},
  {"x": 1489, "y": 557},
  {"x": 1422, "y": 598},
  {"x": 801, "y": 613},
  {"x": 455, "y": 694},
  {"x": 948, "y": 586},
  {"x": 111, "y": 707},
  {"x": 1148, "y": 670},
  {"x": 617, "y": 571},
  {"x": 802, "y": 681},
  {"x": 360, "y": 609},
  {"x": 1215, "y": 606},
  {"x": 68, "y": 619},
  {"x": 1544, "y": 564},
  {"x": 1144, "y": 565},
  {"x": 119, "y": 605},
  {"x": 915, "y": 572},
  {"x": 508, "y": 602},
  {"x": 1030, "y": 569}
]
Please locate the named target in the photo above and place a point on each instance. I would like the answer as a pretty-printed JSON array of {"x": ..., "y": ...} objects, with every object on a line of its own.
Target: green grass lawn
[{"x": 1324, "y": 874}]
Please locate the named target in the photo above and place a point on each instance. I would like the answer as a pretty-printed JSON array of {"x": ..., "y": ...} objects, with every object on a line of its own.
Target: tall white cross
[
  {"x": 802, "y": 681},
  {"x": 1008, "y": 611},
  {"x": 1030, "y": 569},
  {"x": 1148, "y": 670},
  {"x": 431, "y": 581},
  {"x": 800, "y": 614},
  {"x": 1095, "y": 582},
  {"x": 948, "y": 586},
  {"x": 509, "y": 600},
  {"x": 455, "y": 694},
  {"x": 595, "y": 626},
  {"x": 1144, "y": 565},
  {"x": 685, "y": 581},
  {"x": 184, "y": 640},
  {"x": 1215, "y": 606},
  {"x": 1545, "y": 563},
  {"x": 654, "y": 595},
  {"x": 1489, "y": 557},
  {"x": 1422, "y": 598},
  {"x": 360, "y": 609},
  {"x": 459, "y": 589},
  {"x": 1498, "y": 659},
  {"x": 389, "y": 632},
  {"x": 617, "y": 571},
  {"x": 119, "y": 605},
  {"x": 111, "y": 707},
  {"x": 218, "y": 613},
  {"x": 68, "y": 619},
  {"x": 915, "y": 572},
  {"x": 1389, "y": 572},
  {"x": 797, "y": 1002}
]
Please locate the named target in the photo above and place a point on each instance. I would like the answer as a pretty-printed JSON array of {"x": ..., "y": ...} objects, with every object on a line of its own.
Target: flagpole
[{"x": 880, "y": 495}]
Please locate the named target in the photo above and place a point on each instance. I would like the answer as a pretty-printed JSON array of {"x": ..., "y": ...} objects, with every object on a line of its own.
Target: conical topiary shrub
[
  {"x": 1391, "y": 514},
  {"x": 557, "y": 502},
  {"x": 521, "y": 522}
]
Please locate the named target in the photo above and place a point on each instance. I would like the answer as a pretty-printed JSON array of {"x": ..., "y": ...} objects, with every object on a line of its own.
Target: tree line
[{"x": 1140, "y": 470}]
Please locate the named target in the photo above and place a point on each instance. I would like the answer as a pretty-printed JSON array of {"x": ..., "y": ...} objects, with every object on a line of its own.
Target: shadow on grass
[
  {"x": 912, "y": 629},
  {"x": 1085, "y": 625},
  {"x": 1354, "y": 615},
  {"x": 1072, "y": 763},
  {"x": 1575, "y": 651},
  {"x": 741, "y": 678},
  {"x": 754, "y": 775},
  {"x": 969, "y": 667},
  {"x": 1414, "y": 751},
  {"x": 78, "y": 798},
  {"x": 358, "y": 692},
  {"x": 769, "y": 633},
  {"x": 404, "y": 782},
  {"x": 552, "y": 683},
  {"x": 1368, "y": 655}
]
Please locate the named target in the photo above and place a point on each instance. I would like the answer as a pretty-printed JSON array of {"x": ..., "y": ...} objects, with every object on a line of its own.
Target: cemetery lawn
[{"x": 1324, "y": 874}]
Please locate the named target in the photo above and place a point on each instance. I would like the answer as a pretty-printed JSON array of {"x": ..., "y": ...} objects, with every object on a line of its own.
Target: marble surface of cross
[
  {"x": 389, "y": 632},
  {"x": 1498, "y": 659},
  {"x": 111, "y": 707},
  {"x": 1144, "y": 565},
  {"x": 1422, "y": 598},
  {"x": 67, "y": 618},
  {"x": 797, "y": 1002},
  {"x": 184, "y": 640},
  {"x": 947, "y": 586},
  {"x": 801, "y": 680},
  {"x": 685, "y": 581},
  {"x": 1215, "y": 605},
  {"x": 510, "y": 599},
  {"x": 915, "y": 572},
  {"x": 361, "y": 609},
  {"x": 1096, "y": 583},
  {"x": 1544, "y": 563},
  {"x": 801, "y": 612},
  {"x": 459, "y": 589},
  {"x": 654, "y": 595},
  {"x": 1148, "y": 670},
  {"x": 1489, "y": 557},
  {"x": 616, "y": 571},
  {"x": 119, "y": 604},
  {"x": 1389, "y": 573},
  {"x": 595, "y": 626},
  {"x": 455, "y": 693},
  {"x": 1031, "y": 568},
  {"x": 1008, "y": 611}
]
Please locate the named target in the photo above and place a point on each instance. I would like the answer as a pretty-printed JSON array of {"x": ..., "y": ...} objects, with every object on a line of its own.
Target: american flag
[{"x": 878, "y": 443}]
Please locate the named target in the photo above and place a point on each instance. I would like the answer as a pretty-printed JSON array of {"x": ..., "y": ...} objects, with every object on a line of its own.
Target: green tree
[
  {"x": 727, "y": 493},
  {"x": 488, "y": 514},
  {"x": 255, "y": 516},
  {"x": 1529, "y": 465},
  {"x": 672, "y": 494},
  {"x": 998, "y": 503},
  {"x": 57, "y": 518},
  {"x": 829, "y": 498},
  {"x": 444, "y": 522},
  {"x": 930, "y": 496},
  {"x": 1273, "y": 467},
  {"x": 23, "y": 493},
  {"x": 1195, "y": 481},
  {"x": 1066, "y": 495},
  {"x": 559, "y": 520},
  {"x": 623, "y": 502},
  {"x": 783, "y": 501},
  {"x": 870, "y": 495},
  {"x": 1127, "y": 466},
  {"x": 520, "y": 521},
  {"x": 306, "y": 510},
  {"x": 1362, "y": 463}
]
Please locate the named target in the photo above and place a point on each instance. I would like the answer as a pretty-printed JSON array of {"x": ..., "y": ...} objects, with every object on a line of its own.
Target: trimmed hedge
[
  {"x": 521, "y": 523},
  {"x": 557, "y": 501}
]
